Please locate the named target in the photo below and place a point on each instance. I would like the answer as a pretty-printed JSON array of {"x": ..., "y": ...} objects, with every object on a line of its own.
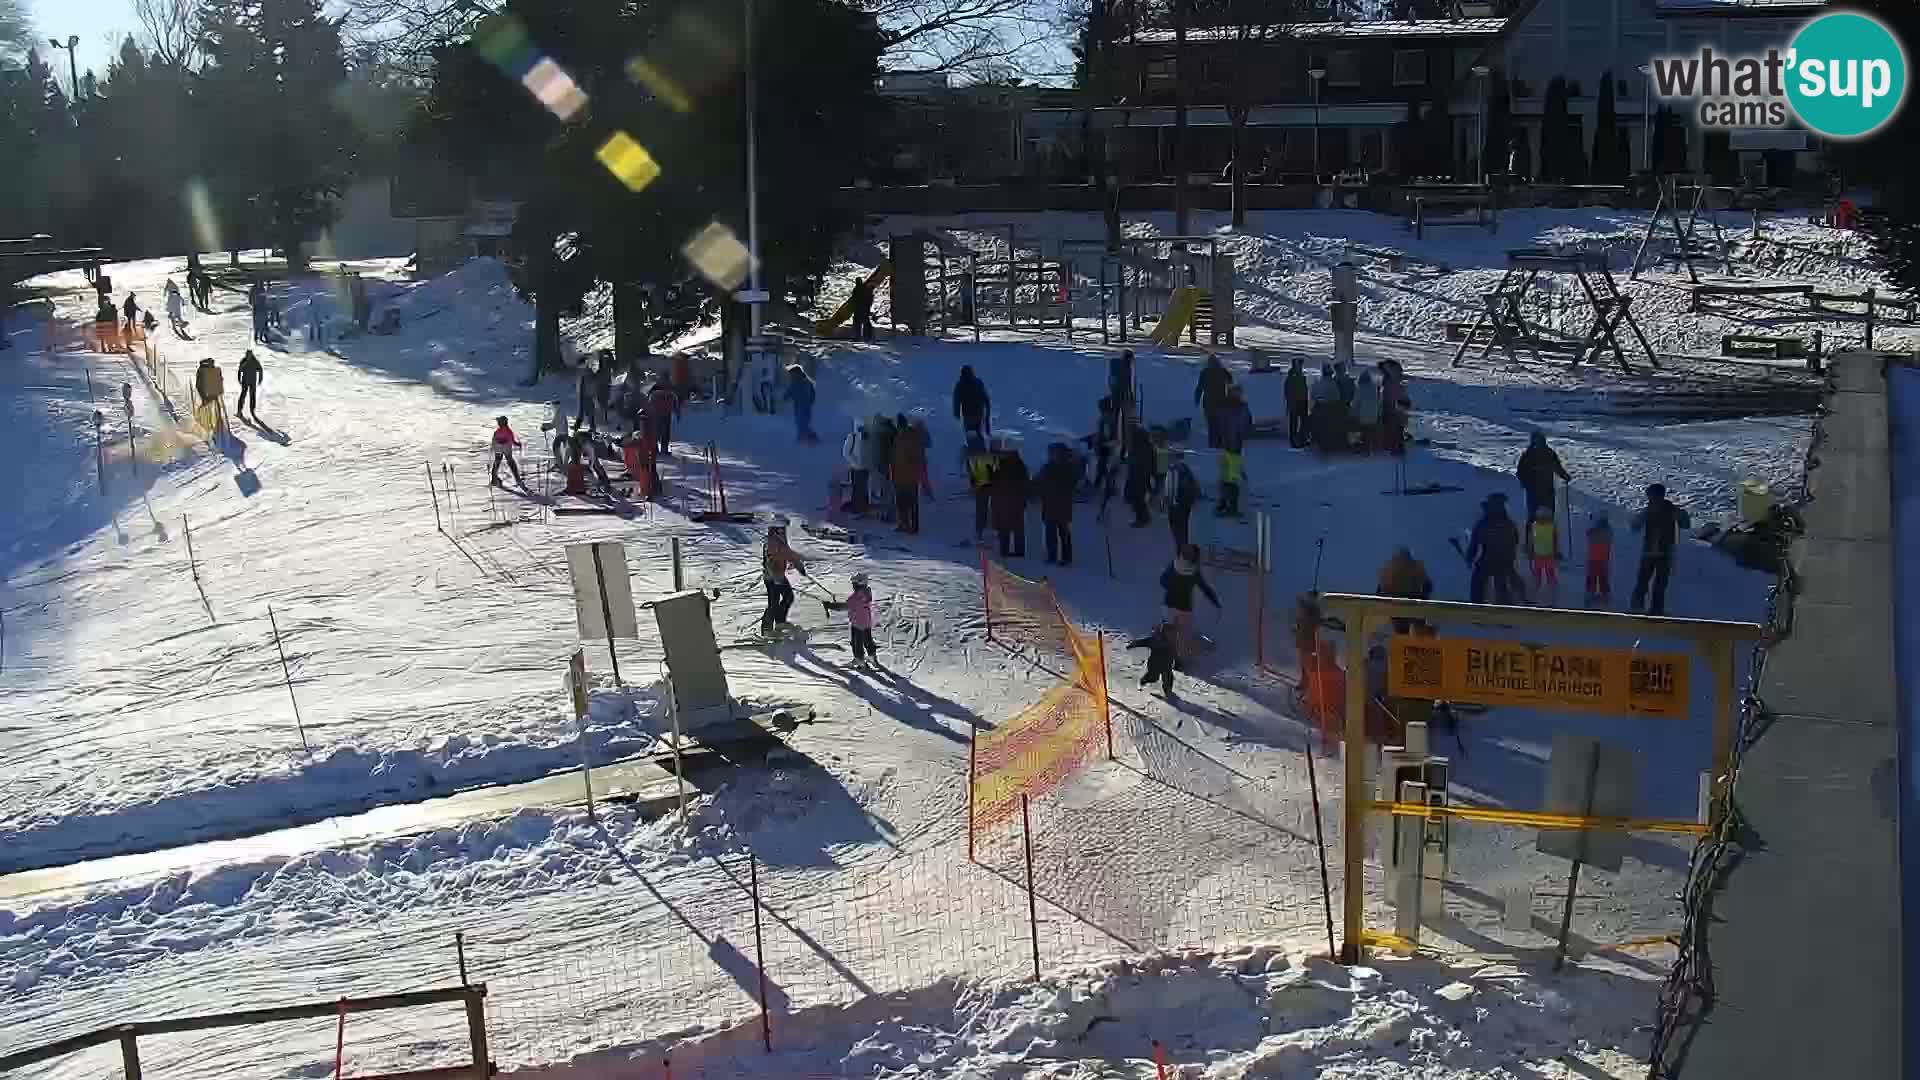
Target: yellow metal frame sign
[{"x": 1619, "y": 681}]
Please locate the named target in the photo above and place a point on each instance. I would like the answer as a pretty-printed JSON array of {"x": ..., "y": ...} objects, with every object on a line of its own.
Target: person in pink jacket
[{"x": 859, "y": 608}]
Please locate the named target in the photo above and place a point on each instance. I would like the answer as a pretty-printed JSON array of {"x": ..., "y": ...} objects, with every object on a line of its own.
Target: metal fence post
[
  {"x": 130, "y": 1054},
  {"x": 1033, "y": 910},
  {"x": 477, "y": 1030}
]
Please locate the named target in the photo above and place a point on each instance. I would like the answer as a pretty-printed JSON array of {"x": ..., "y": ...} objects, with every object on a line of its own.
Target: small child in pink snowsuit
[{"x": 859, "y": 609}]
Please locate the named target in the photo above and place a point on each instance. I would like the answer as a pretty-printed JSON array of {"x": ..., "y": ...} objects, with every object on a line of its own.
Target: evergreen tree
[
  {"x": 1498, "y": 138},
  {"x": 1608, "y": 166},
  {"x": 1553, "y": 133}
]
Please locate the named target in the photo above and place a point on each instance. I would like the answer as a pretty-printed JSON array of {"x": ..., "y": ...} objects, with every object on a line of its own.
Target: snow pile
[{"x": 1248, "y": 1012}]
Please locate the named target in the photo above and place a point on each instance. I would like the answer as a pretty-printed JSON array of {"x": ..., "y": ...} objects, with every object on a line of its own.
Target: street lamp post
[
  {"x": 1646, "y": 116},
  {"x": 73, "y": 66},
  {"x": 1316, "y": 74},
  {"x": 1480, "y": 72}
]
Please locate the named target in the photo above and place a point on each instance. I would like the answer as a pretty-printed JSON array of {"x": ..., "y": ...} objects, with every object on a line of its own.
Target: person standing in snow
[
  {"x": 132, "y": 312},
  {"x": 1659, "y": 522},
  {"x": 176, "y": 310},
  {"x": 1162, "y": 654},
  {"x": 926, "y": 452},
  {"x": 1343, "y": 379},
  {"x": 1139, "y": 451},
  {"x": 859, "y": 608},
  {"x": 1538, "y": 468},
  {"x": 1541, "y": 544},
  {"x": 971, "y": 405},
  {"x": 1008, "y": 493},
  {"x": 1178, "y": 582},
  {"x": 1210, "y": 393},
  {"x": 1491, "y": 551},
  {"x": 853, "y": 451},
  {"x": 980, "y": 461},
  {"x": 800, "y": 390},
  {"x": 1395, "y": 404},
  {"x": 1600, "y": 561},
  {"x": 1298, "y": 409},
  {"x": 1329, "y": 412},
  {"x": 251, "y": 375},
  {"x": 1056, "y": 484},
  {"x": 1181, "y": 500},
  {"x": 211, "y": 386},
  {"x": 863, "y": 310},
  {"x": 1405, "y": 577},
  {"x": 1366, "y": 411},
  {"x": 505, "y": 442},
  {"x": 909, "y": 458},
  {"x": 776, "y": 558},
  {"x": 663, "y": 407},
  {"x": 1105, "y": 444},
  {"x": 257, "y": 305}
]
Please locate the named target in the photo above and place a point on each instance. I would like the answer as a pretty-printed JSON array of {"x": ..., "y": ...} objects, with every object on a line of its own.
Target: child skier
[
  {"x": 1541, "y": 542},
  {"x": 1162, "y": 654},
  {"x": 980, "y": 462},
  {"x": 775, "y": 560},
  {"x": 859, "y": 608},
  {"x": 1599, "y": 562},
  {"x": 505, "y": 442},
  {"x": 1229, "y": 505}
]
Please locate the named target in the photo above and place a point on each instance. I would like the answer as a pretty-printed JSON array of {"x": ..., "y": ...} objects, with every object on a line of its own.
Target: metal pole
[
  {"x": 287, "y": 674},
  {"x": 753, "y": 183},
  {"x": 973, "y": 760},
  {"x": 460, "y": 953},
  {"x": 477, "y": 1032},
  {"x": 678, "y": 583},
  {"x": 436, "y": 501},
  {"x": 1573, "y": 876},
  {"x": 606, "y": 613},
  {"x": 679, "y": 772},
  {"x": 129, "y": 1054},
  {"x": 1033, "y": 910},
  {"x": 759, "y": 949}
]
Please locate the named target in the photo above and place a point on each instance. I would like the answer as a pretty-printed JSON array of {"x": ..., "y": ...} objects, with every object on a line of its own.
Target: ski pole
[{"x": 1319, "y": 549}]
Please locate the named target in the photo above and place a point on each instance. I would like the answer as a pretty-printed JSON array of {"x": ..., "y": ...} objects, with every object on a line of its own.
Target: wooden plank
[
  {"x": 20, "y": 1059},
  {"x": 409, "y": 1000},
  {"x": 1354, "y": 839},
  {"x": 1614, "y": 622}
]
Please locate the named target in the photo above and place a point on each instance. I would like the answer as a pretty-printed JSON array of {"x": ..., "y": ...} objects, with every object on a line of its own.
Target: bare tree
[
  {"x": 1247, "y": 34},
  {"x": 170, "y": 30}
]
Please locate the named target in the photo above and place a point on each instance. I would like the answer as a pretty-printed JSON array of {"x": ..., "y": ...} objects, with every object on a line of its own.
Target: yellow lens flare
[
  {"x": 628, "y": 161},
  {"x": 719, "y": 256},
  {"x": 555, "y": 88},
  {"x": 206, "y": 225},
  {"x": 640, "y": 70}
]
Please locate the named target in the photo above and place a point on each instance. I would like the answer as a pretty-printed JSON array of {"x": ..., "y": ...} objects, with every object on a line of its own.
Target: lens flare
[
  {"x": 206, "y": 226},
  {"x": 628, "y": 161},
  {"x": 719, "y": 256}
]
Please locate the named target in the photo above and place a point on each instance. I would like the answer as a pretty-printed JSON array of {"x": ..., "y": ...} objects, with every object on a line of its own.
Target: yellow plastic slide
[
  {"x": 1179, "y": 313},
  {"x": 845, "y": 311}
]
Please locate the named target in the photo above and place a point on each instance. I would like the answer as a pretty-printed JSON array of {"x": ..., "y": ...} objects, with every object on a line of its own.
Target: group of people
[
  {"x": 210, "y": 387},
  {"x": 887, "y": 456},
  {"x": 1339, "y": 412}
]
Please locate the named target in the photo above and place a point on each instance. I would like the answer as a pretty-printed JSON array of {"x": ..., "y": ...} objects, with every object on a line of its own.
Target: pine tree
[
  {"x": 1499, "y": 134},
  {"x": 1608, "y": 166},
  {"x": 1553, "y": 133}
]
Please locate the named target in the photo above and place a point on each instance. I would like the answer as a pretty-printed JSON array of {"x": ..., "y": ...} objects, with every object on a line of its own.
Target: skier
[
  {"x": 1139, "y": 449},
  {"x": 251, "y": 375},
  {"x": 1366, "y": 411},
  {"x": 257, "y": 305},
  {"x": 1406, "y": 577},
  {"x": 1009, "y": 497},
  {"x": 1394, "y": 407},
  {"x": 1210, "y": 393},
  {"x": 1599, "y": 562},
  {"x": 641, "y": 455},
  {"x": 971, "y": 405},
  {"x": 176, "y": 310},
  {"x": 853, "y": 451},
  {"x": 909, "y": 458},
  {"x": 776, "y": 558},
  {"x": 859, "y": 608},
  {"x": 1329, "y": 412},
  {"x": 663, "y": 407},
  {"x": 1105, "y": 444},
  {"x": 1230, "y": 474},
  {"x": 1660, "y": 522},
  {"x": 1236, "y": 424},
  {"x": 1181, "y": 501},
  {"x": 800, "y": 390},
  {"x": 925, "y": 482},
  {"x": 1162, "y": 655},
  {"x": 1538, "y": 467},
  {"x": 505, "y": 442},
  {"x": 586, "y": 413},
  {"x": 1541, "y": 543},
  {"x": 583, "y": 459},
  {"x": 1298, "y": 409},
  {"x": 1491, "y": 550},
  {"x": 863, "y": 310},
  {"x": 1056, "y": 484},
  {"x": 980, "y": 462},
  {"x": 1178, "y": 581}
]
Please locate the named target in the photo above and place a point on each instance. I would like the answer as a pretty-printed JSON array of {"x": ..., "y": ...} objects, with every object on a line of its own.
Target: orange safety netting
[{"x": 1036, "y": 750}]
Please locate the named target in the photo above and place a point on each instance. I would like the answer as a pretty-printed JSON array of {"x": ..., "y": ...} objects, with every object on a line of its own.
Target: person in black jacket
[
  {"x": 1660, "y": 523},
  {"x": 1538, "y": 468},
  {"x": 1162, "y": 654},
  {"x": 1140, "y": 457},
  {"x": 1007, "y": 492},
  {"x": 1179, "y": 581},
  {"x": 971, "y": 405},
  {"x": 250, "y": 377},
  {"x": 1056, "y": 484},
  {"x": 1210, "y": 393},
  {"x": 1491, "y": 551},
  {"x": 1298, "y": 409}
]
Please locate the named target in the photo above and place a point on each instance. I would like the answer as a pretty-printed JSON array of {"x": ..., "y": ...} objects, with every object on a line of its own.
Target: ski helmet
[{"x": 860, "y": 581}]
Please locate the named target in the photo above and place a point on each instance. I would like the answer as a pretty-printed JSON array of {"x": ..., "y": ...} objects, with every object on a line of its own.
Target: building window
[
  {"x": 1343, "y": 68},
  {"x": 1160, "y": 72},
  {"x": 1409, "y": 67}
]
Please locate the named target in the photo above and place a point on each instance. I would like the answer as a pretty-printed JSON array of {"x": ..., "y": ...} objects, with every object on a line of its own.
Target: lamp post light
[
  {"x": 1480, "y": 72},
  {"x": 1316, "y": 74},
  {"x": 1646, "y": 115},
  {"x": 73, "y": 67}
]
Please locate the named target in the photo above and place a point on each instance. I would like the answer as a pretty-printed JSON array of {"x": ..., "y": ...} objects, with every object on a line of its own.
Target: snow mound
[{"x": 1249, "y": 1011}]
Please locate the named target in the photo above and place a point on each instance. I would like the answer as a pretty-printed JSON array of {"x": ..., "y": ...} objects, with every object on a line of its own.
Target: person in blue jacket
[{"x": 800, "y": 391}]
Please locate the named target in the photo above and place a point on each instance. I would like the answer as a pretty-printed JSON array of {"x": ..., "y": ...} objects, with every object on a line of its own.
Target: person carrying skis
[
  {"x": 663, "y": 407},
  {"x": 971, "y": 405},
  {"x": 909, "y": 458},
  {"x": 1139, "y": 450},
  {"x": 1181, "y": 500},
  {"x": 1660, "y": 523},
  {"x": 980, "y": 462},
  {"x": 1299, "y": 411},
  {"x": 800, "y": 390},
  {"x": 1162, "y": 654},
  {"x": 1599, "y": 561},
  {"x": 1056, "y": 484},
  {"x": 211, "y": 385},
  {"x": 859, "y": 608},
  {"x": 251, "y": 375},
  {"x": 776, "y": 558},
  {"x": 1490, "y": 552},
  {"x": 1178, "y": 582},
  {"x": 1210, "y": 393},
  {"x": 1538, "y": 467},
  {"x": 1541, "y": 543},
  {"x": 1008, "y": 492},
  {"x": 505, "y": 442},
  {"x": 853, "y": 451}
]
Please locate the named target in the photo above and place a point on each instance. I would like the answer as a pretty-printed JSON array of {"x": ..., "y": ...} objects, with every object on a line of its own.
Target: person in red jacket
[
  {"x": 663, "y": 405},
  {"x": 505, "y": 442}
]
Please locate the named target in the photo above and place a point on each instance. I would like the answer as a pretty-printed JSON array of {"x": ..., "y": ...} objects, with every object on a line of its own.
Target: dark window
[
  {"x": 1409, "y": 67},
  {"x": 1343, "y": 68}
]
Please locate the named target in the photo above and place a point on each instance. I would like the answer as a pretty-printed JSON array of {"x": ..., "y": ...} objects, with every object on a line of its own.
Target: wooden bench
[
  {"x": 1702, "y": 293},
  {"x": 1467, "y": 210}
]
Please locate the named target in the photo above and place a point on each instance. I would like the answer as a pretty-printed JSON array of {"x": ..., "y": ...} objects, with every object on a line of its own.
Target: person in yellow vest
[
  {"x": 1541, "y": 541},
  {"x": 1229, "y": 504},
  {"x": 979, "y": 463}
]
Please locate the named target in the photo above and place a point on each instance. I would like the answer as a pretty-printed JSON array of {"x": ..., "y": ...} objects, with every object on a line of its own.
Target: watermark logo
[{"x": 1844, "y": 75}]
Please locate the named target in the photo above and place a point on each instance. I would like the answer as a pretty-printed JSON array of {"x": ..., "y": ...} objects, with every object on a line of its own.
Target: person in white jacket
[
  {"x": 854, "y": 452},
  {"x": 1366, "y": 410},
  {"x": 176, "y": 310}
]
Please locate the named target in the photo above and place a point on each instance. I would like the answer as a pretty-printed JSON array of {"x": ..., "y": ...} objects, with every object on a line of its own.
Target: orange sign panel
[{"x": 1548, "y": 677}]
